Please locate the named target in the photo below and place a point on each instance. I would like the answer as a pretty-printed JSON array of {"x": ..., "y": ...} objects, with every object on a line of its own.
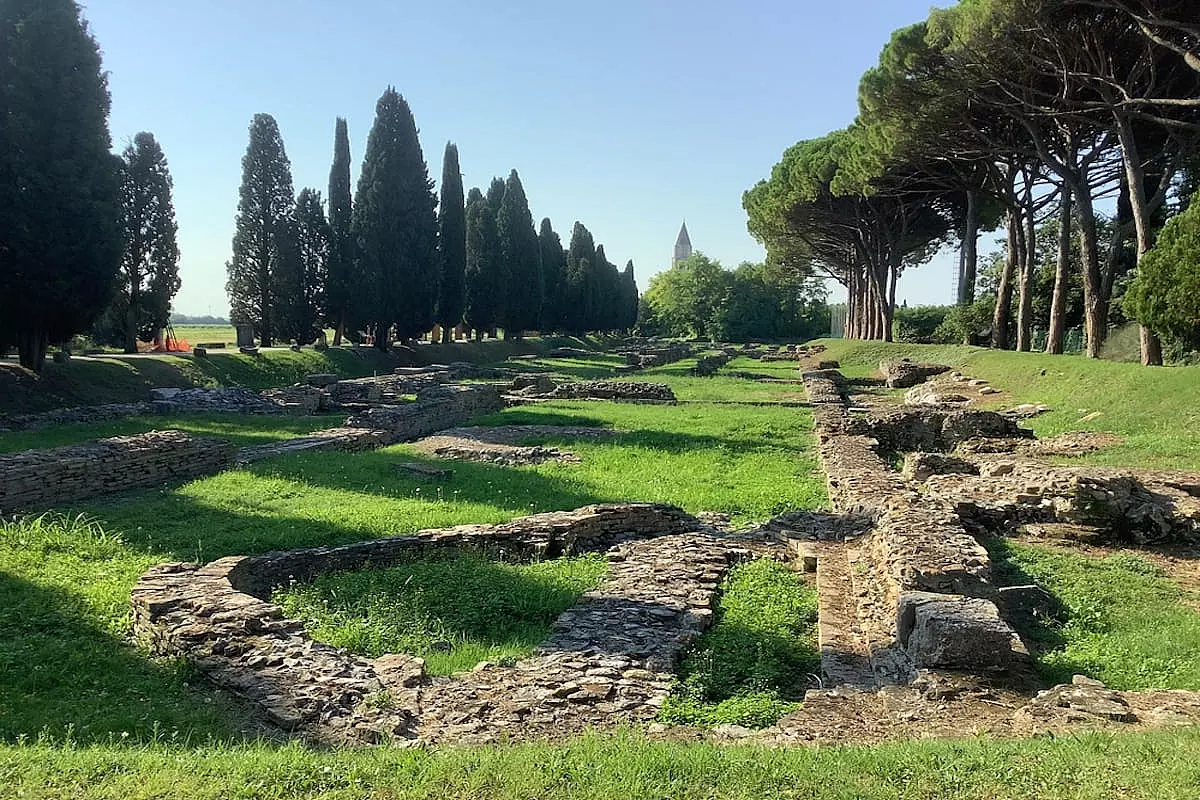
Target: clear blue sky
[{"x": 628, "y": 115}]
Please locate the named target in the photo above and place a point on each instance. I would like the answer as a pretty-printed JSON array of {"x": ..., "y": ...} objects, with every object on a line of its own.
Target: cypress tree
[
  {"x": 580, "y": 280},
  {"x": 305, "y": 270},
  {"x": 452, "y": 245},
  {"x": 60, "y": 201},
  {"x": 522, "y": 259},
  {"x": 629, "y": 298},
  {"x": 395, "y": 225},
  {"x": 604, "y": 299},
  {"x": 149, "y": 274},
  {"x": 262, "y": 238},
  {"x": 554, "y": 268},
  {"x": 495, "y": 194},
  {"x": 339, "y": 282},
  {"x": 482, "y": 272}
]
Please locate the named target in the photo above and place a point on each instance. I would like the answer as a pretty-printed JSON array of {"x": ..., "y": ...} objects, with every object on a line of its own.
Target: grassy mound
[{"x": 452, "y": 610}]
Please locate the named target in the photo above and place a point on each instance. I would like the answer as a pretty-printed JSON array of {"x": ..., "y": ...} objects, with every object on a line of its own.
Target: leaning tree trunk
[
  {"x": 1058, "y": 304},
  {"x": 1135, "y": 176},
  {"x": 969, "y": 254},
  {"x": 1000, "y": 317}
]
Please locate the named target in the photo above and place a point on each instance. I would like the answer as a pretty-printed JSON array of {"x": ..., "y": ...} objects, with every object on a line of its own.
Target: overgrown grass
[
  {"x": 1153, "y": 408},
  {"x": 1127, "y": 624},
  {"x": 452, "y": 610},
  {"x": 241, "y": 429},
  {"x": 753, "y": 666}
]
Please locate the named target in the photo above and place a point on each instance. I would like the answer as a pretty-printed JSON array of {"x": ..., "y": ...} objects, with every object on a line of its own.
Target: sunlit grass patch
[
  {"x": 452, "y": 610},
  {"x": 754, "y": 665}
]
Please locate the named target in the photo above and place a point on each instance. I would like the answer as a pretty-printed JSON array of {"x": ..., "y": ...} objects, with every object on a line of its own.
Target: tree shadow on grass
[
  {"x": 536, "y": 416},
  {"x": 184, "y": 524},
  {"x": 63, "y": 675}
]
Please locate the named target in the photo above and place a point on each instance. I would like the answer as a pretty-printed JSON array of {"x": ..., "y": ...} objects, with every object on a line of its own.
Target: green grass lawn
[
  {"x": 84, "y": 714},
  {"x": 1126, "y": 623},
  {"x": 1154, "y": 409},
  {"x": 754, "y": 665},
  {"x": 241, "y": 429},
  {"x": 454, "y": 611}
]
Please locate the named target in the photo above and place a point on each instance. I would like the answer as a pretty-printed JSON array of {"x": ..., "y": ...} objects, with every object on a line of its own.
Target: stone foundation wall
[
  {"x": 434, "y": 409},
  {"x": 608, "y": 660},
  {"x": 917, "y": 543},
  {"x": 588, "y": 529},
  {"x": 38, "y": 479},
  {"x": 628, "y": 391}
]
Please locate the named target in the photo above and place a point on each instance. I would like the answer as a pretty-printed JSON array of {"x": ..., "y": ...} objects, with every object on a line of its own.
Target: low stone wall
[
  {"x": 607, "y": 662},
  {"x": 588, "y": 529},
  {"x": 37, "y": 479},
  {"x": 917, "y": 543},
  {"x": 434, "y": 409},
  {"x": 627, "y": 391}
]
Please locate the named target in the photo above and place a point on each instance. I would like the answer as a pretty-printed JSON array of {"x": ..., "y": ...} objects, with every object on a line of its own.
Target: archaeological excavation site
[{"x": 922, "y": 624}]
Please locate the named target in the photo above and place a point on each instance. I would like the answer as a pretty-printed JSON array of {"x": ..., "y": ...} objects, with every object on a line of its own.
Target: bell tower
[{"x": 683, "y": 246}]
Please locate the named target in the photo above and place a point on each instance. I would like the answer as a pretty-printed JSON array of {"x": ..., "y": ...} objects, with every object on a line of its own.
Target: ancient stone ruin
[
  {"x": 609, "y": 659},
  {"x": 37, "y": 479}
]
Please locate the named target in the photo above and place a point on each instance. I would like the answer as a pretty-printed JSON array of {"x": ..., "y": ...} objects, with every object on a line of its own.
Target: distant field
[{"x": 195, "y": 334}]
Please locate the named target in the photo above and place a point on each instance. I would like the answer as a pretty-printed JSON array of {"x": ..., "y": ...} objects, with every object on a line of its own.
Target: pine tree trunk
[
  {"x": 1000, "y": 317},
  {"x": 131, "y": 329},
  {"x": 1028, "y": 251},
  {"x": 447, "y": 335},
  {"x": 1095, "y": 302},
  {"x": 1058, "y": 304},
  {"x": 31, "y": 348},
  {"x": 338, "y": 330},
  {"x": 1135, "y": 177},
  {"x": 969, "y": 255}
]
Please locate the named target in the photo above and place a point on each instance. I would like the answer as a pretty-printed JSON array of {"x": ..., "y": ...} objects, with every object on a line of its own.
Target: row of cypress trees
[{"x": 395, "y": 259}]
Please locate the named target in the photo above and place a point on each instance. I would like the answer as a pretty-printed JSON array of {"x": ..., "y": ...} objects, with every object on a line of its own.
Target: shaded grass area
[
  {"x": 1127, "y": 624},
  {"x": 753, "y": 666},
  {"x": 241, "y": 429},
  {"x": 1153, "y": 408},
  {"x": 1157, "y": 766},
  {"x": 452, "y": 610}
]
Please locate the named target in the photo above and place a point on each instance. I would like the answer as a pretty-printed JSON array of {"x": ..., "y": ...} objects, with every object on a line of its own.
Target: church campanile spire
[{"x": 683, "y": 246}]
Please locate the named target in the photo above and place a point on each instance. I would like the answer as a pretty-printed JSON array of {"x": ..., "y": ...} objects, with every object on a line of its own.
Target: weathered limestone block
[
  {"x": 903, "y": 372},
  {"x": 953, "y": 632},
  {"x": 931, "y": 394}
]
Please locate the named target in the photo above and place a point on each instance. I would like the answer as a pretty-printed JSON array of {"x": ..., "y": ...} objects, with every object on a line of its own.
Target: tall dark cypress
[
  {"x": 339, "y": 282},
  {"x": 522, "y": 260},
  {"x": 629, "y": 298},
  {"x": 554, "y": 275},
  {"x": 303, "y": 279},
  {"x": 263, "y": 230},
  {"x": 452, "y": 245},
  {"x": 394, "y": 224},
  {"x": 60, "y": 205},
  {"x": 580, "y": 280},
  {"x": 483, "y": 278}
]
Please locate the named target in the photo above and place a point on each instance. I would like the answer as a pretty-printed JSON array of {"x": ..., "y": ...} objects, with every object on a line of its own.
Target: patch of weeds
[
  {"x": 752, "y": 667},
  {"x": 454, "y": 610},
  {"x": 1127, "y": 624}
]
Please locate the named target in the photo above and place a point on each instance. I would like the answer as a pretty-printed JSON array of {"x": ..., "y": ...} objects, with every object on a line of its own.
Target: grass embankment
[
  {"x": 453, "y": 611},
  {"x": 1153, "y": 408},
  {"x": 86, "y": 380}
]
